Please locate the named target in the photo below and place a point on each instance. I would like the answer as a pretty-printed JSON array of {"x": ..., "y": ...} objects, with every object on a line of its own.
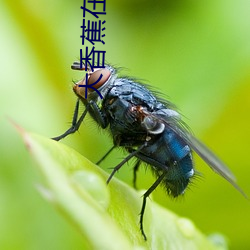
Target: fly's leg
[
  {"x": 75, "y": 124},
  {"x": 136, "y": 167},
  {"x": 125, "y": 160},
  {"x": 97, "y": 114},
  {"x": 145, "y": 196},
  {"x": 105, "y": 155},
  {"x": 93, "y": 109}
]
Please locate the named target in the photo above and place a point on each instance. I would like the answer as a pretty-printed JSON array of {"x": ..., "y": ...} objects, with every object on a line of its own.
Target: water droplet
[
  {"x": 94, "y": 185},
  {"x": 187, "y": 227}
]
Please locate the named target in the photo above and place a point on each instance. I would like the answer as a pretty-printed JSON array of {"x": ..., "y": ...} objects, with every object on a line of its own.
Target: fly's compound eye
[
  {"x": 98, "y": 78},
  {"x": 95, "y": 80},
  {"x": 153, "y": 126}
]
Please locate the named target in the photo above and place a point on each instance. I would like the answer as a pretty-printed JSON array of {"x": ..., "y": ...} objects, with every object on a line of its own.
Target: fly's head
[{"x": 95, "y": 84}]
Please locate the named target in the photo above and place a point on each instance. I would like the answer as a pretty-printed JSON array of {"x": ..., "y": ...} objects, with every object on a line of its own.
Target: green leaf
[{"x": 106, "y": 215}]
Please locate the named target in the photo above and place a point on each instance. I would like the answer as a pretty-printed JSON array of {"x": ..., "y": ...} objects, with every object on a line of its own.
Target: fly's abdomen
[
  {"x": 168, "y": 154},
  {"x": 178, "y": 176},
  {"x": 180, "y": 166}
]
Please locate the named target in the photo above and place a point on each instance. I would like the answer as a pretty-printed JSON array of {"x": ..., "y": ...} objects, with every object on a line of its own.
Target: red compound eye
[{"x": 96, "y": 75}]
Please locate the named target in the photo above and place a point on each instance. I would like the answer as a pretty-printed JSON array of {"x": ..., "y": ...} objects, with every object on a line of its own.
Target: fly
[{"x": 149, "y": 128}]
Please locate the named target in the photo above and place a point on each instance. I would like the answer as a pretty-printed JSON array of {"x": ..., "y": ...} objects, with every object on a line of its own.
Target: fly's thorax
[
  {"x": 154, "y": 122},
  {"x": 100, "y": 80},
  {"x": 152, "y": 125}
]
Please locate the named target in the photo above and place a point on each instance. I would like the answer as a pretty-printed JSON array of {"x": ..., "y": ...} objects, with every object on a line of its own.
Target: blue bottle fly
[{"x": 148, "y": 127}]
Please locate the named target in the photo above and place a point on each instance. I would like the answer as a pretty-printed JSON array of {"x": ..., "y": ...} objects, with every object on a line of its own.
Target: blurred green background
[{"x": 195, "y": 52}]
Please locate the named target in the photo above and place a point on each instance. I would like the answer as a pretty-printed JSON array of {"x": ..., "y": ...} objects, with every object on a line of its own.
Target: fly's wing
[
  {"x": 212, "y": 160},
  {"x": 175, "y": 124}
]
